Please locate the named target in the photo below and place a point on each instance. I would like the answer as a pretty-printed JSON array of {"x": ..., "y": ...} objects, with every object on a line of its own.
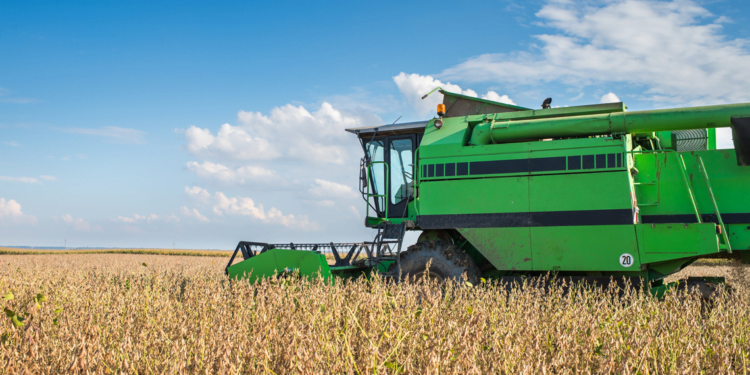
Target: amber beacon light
[{"x": 441, "y": 113}]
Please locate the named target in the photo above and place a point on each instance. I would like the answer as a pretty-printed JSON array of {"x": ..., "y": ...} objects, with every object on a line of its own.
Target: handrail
[
  {"x": 417, "y": 175},
  {"x": 684, "y": 177},
  {"x": 716, "y": 206}
]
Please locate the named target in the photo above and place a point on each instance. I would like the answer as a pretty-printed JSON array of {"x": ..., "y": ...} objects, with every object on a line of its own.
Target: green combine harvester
[{"x": 592, "y": 193}]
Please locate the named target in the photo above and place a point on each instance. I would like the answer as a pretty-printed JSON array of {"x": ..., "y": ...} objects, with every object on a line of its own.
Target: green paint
[
  {"x": 660, "y": 242},
  {"x": 280, "y": 261}
]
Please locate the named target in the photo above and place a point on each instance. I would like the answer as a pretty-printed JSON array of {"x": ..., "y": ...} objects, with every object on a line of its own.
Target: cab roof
[{"x": 393, "y": 129}]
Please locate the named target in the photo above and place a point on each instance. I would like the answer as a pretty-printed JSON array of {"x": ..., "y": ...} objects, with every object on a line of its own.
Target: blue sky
[{"x": 200, "y": 124}]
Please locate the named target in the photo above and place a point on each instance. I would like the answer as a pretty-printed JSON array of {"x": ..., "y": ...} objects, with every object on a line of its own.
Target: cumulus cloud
[
  {"x": 247, "y": 207},
  {"x": 221, "y": 173},
  {"x": 115, "y": 134},
  {"x": 77, "y": 224},
  {"x": 231, "y": 141},
  {"x": 10, "y": 211},
  {"x": 414, "y": 86},
  {"x": 674, "y": 49},
  {"x": 198, "y": 193},
  {"x": 290, "y": 132},
  {"x": 193, "y": 214},
  {"x": 323, "y": 188},
  {"x": 495, "y": 97},
  {"x": 610, "y": 98}
]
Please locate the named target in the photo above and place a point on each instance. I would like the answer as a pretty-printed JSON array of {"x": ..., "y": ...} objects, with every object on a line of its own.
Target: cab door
[{"x": 400, "y": 159}]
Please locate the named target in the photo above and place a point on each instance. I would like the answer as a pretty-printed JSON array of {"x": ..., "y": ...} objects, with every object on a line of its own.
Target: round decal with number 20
[{"x": 626, "y": 260}]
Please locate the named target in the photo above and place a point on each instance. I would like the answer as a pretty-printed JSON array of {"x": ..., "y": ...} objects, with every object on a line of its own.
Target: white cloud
[
  {"x": 414, "y": 86},
  {"x": 10, "y": 210},
  {"x": 28, "y": 180},
  {"x": 667, "y": 47},
  {"x": 192, "y": 214},
  {"x": 137, "y": 218},
  {"x": 610, "y": 98},
  {"x": 290, "y": 132},
  {"x": 231, "y": 141},
  {"x": 48, "y": 178},
  {"x": 198, "y": 193},
  {"x": 114, "y": 133},
  {"x": 77, "y": 224},
  {"x": 12, "y": 143},
  {"x": 328, "y": 189},
  {"x": 247, "y": 207},
  {"x": 241, "y": 175},
  {"x": 495, "y": 97}
]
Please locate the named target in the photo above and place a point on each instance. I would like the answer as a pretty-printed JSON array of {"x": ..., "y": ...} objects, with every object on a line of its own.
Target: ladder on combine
[
  {"x": 389, "y": 235},
  {"x": 691, "y": 194}
]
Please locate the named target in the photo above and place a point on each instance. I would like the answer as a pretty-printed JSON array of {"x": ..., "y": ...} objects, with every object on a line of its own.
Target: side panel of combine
[
  {"x": 585, "y": 222},
  {"x": 489, "y": 212},
  {"x": 567, "y": 222}
]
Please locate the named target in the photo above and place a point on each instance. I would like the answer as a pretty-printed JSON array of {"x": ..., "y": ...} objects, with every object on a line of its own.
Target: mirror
[{"x": 363, "y": 178}]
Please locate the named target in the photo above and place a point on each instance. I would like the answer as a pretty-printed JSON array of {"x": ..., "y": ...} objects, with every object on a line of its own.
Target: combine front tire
[{"x": 447, "y": 262}]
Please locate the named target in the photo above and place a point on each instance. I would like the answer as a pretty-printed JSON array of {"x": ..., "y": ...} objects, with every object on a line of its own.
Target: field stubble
[{"x": 116, "y": 313}]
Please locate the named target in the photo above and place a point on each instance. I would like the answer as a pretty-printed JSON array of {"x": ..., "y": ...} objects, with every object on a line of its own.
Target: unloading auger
[{"x": 592, "y": 192}]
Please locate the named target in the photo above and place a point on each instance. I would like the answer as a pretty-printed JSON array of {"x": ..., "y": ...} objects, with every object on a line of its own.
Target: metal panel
[
  {"x": 584, "y": 248},
  {"x": 505, "y": 248},
  {"x": 660, "y": 242},
  {"x": 460, "y": 105}
]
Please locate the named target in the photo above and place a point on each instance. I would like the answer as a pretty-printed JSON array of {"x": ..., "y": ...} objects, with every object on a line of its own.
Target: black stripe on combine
[
  {"x": 743, "y": 218},
  {"x": 528, "y": 219},
  {"x": 462, "y": 169},
  {"x": 601, "y": 161},
  {"x": 547, "y": 164},
  {"x": 450, "y": 169},
  {"x": 517, "y": 166},
  {"x": 574, "y": 163},
  {"x": 588, "y": 161}
]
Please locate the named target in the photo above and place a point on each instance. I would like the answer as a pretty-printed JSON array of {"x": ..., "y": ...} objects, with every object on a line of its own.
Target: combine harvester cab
[{"x": 592, "y": 193}]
